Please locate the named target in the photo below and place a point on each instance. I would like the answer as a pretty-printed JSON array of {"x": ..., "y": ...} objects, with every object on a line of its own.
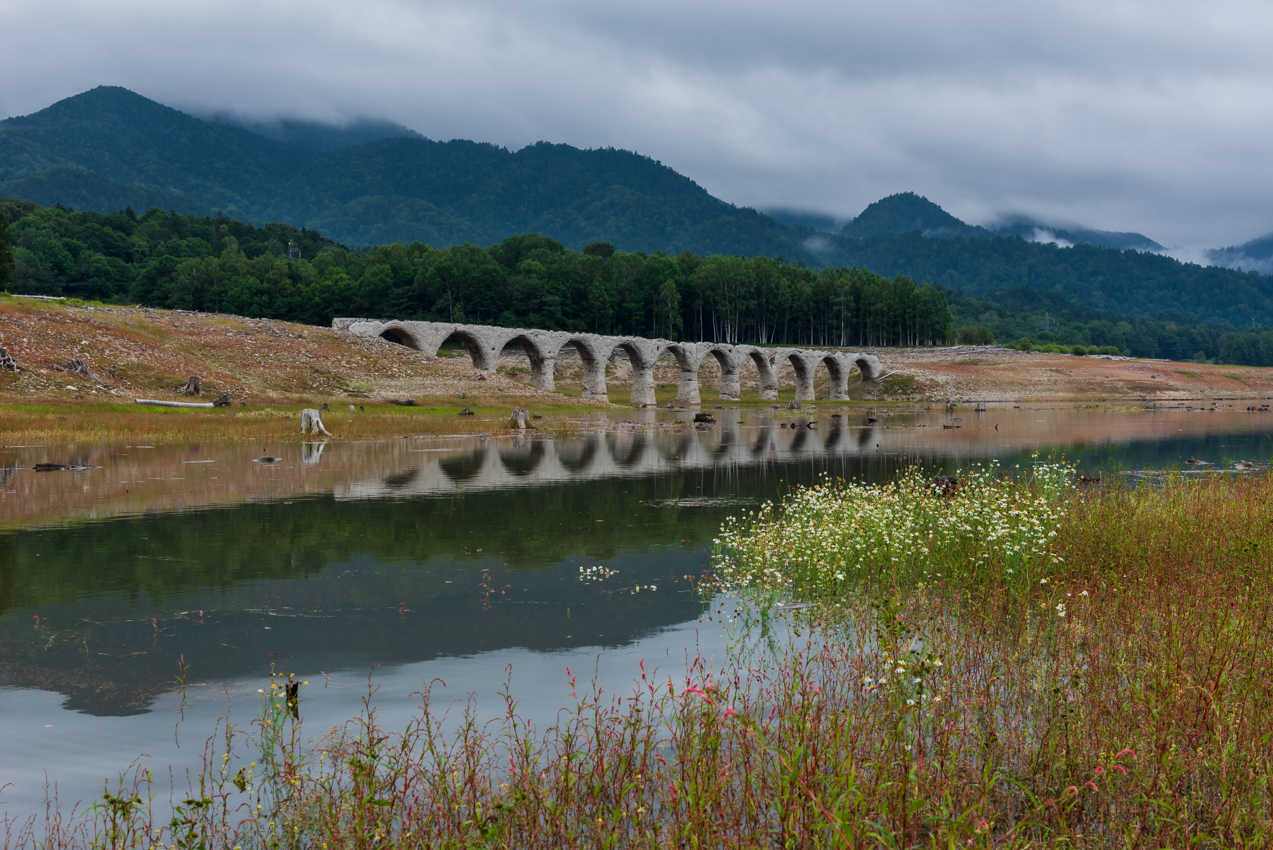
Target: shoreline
[{"x": 272, "y": 370}]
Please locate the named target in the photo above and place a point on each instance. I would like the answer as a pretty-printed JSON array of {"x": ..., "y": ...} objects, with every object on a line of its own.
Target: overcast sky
[{"x": 1154, "y": 117}]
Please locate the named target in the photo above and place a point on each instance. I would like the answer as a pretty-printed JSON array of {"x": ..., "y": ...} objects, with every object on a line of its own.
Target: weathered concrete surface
[{"x": 484, "y": 344}]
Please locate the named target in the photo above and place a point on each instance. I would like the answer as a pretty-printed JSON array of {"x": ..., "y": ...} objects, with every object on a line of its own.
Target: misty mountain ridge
[
  {"x": 109, "y": 148},
  {"x": 319, "y": 135},
  {"x": 1255, "y": 255},
  {"x": 908, "y": 211},
  {"x": 110, "y": 144}
]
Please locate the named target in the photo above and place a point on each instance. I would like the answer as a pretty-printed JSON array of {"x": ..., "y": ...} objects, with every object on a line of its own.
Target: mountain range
[{"x": 374, "y": 183}]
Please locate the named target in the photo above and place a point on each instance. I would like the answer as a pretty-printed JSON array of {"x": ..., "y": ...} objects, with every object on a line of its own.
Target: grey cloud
[{"x": 1123, "y": 116}]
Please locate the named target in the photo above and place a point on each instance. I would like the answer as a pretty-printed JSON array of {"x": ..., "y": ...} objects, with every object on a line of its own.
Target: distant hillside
[
  {"x": 1256, "y": 255},
  {"x": 323, "y": 137},
  {"x": 907, "y": 211},
  {"x": 903, "y": 213},
  {"x": 1127, "y": 282},
  {"x": 110, "y": 145},
  {"x": 1037, "y": 231}
]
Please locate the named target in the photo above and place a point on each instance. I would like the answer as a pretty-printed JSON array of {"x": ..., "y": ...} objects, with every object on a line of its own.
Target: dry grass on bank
[{"x": 117, "y": 423}]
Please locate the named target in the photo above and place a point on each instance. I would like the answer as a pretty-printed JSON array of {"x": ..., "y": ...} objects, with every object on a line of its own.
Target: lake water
[{"x": 398, "y": 561}]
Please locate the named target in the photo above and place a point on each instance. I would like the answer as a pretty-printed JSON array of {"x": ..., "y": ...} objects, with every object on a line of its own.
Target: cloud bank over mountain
[{"x": 1123, "y": 115}]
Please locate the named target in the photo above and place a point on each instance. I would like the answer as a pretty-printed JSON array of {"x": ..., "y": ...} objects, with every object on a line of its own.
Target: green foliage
[
  {"x": 1048, "y": 321},
  {"x": 1103, "y": 279},
  {"x": 1252, "y": 348},
  {"x": 6, "y": 250},
  {"x": 224, "y": 265},
  {"x": 976, "y": 335},
  {"x": 832, "y": 539},
  {"x": 107, "y": 148}
]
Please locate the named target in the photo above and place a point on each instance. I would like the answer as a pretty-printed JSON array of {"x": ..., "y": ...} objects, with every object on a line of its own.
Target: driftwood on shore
[
  {"x": 224, "y": 401},
  {"x": 164, "y": 403},
  {"x": 76, "y": 366}
]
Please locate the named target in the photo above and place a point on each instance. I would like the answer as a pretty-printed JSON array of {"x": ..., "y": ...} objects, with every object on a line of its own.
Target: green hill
[
  {"x": 1126, "y": 282},
  {"x": 907, "y": 212},
  {"x": 109, "y": 148}
]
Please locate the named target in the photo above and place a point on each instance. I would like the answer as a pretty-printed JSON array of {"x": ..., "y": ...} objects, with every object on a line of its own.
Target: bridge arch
[
  {"x": 542, "y": 364},
  {"x": 479, "y": 349},
  {"x": 766, "y": 372},
  {"x": 870, "y": 367},
  {"x": 838, "y": 370},
  {"x": 401, "y": 336},
  {"x": 803, "y": 364},
  {"x": 593, "y": 354},
  {"x": 642, "y": 354}
]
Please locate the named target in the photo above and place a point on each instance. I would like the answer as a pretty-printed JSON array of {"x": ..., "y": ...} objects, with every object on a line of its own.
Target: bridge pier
[
  {"x": 543, "y": 373},
  {"x": 687, "y": 388},
  {"x": 839, "y": 381},
  {"x": 804, "y": 387},
  {"x": 731, "y": 387},
  {"x": 643, "y": 385},
  {"x": 594, "y": 378},
  {"x": 689, "y": 357}
]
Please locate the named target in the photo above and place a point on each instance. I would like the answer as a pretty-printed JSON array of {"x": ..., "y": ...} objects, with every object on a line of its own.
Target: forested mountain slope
[
  {"x": 110, "y": 144},
  {"x": 1102, "y": 278},
  {"x": 109, "y": 148}
]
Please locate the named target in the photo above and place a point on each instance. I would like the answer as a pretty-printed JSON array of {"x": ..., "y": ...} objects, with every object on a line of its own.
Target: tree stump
[
  {"x": 519, "y": 419},
  {"x": 224, "y": 401},
  {"x": 312, "y": 422},
  {"x": 75, "y": 366},
  {"x": 190, "y": 387},
  {"x": 7, "y": 363}
]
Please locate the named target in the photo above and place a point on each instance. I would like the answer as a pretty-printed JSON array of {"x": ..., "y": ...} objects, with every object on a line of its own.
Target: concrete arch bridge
[{"x": 484, "y": 344}]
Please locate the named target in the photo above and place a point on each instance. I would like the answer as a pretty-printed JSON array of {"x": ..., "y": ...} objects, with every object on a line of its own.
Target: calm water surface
[{"x": 399, "y": 561}]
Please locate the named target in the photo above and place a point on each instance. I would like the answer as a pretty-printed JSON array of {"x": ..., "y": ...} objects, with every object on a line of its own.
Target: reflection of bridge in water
[
  {"x": 484, "y": 344},
  {"x": 502, "y": 462}
]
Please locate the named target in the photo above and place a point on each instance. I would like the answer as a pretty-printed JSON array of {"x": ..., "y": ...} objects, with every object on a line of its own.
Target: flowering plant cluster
[{"x": 839, "y": 533}]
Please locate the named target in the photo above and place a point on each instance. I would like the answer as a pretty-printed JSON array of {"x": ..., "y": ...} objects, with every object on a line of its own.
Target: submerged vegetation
[{"x": 1014, "y": 661}]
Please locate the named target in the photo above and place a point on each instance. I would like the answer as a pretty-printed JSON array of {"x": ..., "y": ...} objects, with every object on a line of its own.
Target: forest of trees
[
  {"x": 225, "y": 265},
  {"x": 1048, "y": 318}
]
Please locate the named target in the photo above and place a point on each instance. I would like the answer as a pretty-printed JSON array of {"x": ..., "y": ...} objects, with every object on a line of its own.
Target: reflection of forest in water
[
  {"x": 407, "y": 550},
  {"x": 328, "y": 577}
]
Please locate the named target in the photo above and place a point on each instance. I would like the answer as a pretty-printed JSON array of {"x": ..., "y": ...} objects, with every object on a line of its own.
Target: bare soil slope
[{"x": 134, "y": 352}]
